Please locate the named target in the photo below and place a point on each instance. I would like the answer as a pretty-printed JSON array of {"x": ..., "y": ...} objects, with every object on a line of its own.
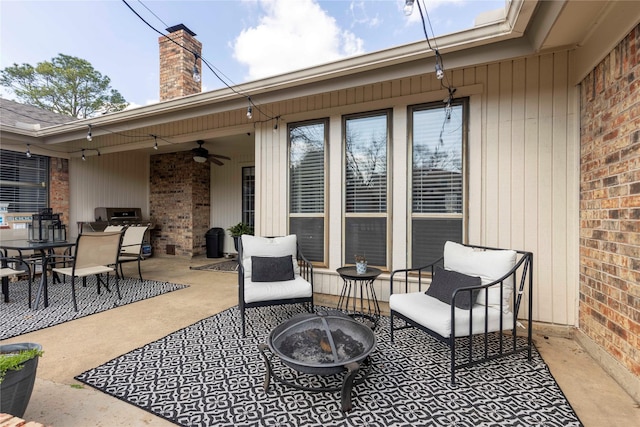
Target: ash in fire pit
[{"x": 314, "y": 346}]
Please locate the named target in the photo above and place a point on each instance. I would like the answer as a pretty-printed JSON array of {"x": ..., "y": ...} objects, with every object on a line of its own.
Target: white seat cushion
[
  {"x": 436, "y": 315},
  {"x": 268, "y": 291}
]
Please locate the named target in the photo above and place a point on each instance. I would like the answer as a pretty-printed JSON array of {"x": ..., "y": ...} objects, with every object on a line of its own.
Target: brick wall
[
  {"x": 59, "y": 189},
  {"x": 176, "y": 64},
  {"x": 179, "y": 203},
  {"x": 610, "y": 203}
]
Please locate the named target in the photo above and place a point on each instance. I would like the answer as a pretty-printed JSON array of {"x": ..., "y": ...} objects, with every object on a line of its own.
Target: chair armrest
[
  {"x": 306, "y": 268},
  {"x": 420, "y": 272}
]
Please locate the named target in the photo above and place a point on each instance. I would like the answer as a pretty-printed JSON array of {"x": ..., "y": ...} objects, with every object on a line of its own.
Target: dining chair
[
  {"x": 18, "y": 267},
  {"x": 96, "y": 254},
  {"x": 131, "y": 250}
]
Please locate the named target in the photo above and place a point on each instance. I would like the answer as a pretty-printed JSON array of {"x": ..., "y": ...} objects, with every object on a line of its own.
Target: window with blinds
[
  {"x": 366, "y": 140},
  {"x": 249, "y": 195},
  {"x": 307, "y": 142},
  {"x": 24, "y": 181},
  {"x": 437, "y": 180}
]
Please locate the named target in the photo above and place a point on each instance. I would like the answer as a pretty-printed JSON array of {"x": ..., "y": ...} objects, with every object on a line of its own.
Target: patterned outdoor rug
[
  {"x": 207, "y": 374},
  {"x": 226, "y": 266},
  {"x": 16, "y": 318}
]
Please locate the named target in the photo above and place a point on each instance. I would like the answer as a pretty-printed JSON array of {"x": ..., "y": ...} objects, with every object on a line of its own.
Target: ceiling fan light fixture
[{"x": 199, "y": 159}]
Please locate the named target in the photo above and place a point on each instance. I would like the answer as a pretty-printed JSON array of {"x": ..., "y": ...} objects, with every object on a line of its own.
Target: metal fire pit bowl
[{"x": 321, "y": 344}]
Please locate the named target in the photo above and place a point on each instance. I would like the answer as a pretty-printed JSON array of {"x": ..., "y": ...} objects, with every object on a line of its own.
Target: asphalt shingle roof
[{"x": 12, "y": 112}]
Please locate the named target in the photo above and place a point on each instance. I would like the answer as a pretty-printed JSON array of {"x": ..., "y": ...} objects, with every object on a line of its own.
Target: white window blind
[
  {"x": 438, "y": 182},
  {"x": 307, "y": 187},
  {"x": 366, "y": 140},
  {"x": 24, "y": 181}
]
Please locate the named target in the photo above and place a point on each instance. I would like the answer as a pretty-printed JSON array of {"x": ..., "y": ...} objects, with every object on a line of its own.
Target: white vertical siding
[
  {"x": 109, "y": 180},
  {"x": 226, "y": 192},
  {"x": 523, "y": 169}
]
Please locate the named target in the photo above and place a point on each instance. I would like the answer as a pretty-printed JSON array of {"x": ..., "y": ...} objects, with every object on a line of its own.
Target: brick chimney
[{"x": 176, "y": 63}]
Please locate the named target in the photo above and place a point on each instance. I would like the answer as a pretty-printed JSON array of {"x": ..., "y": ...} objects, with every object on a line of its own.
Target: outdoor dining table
[{"x": 45, "y": 248}]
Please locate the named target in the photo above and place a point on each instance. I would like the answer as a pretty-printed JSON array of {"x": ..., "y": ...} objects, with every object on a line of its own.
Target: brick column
[{"x": 179, "y": 203}]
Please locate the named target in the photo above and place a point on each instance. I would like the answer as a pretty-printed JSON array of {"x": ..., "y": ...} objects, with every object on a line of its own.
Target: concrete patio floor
[{"x": 74, "y": 347}]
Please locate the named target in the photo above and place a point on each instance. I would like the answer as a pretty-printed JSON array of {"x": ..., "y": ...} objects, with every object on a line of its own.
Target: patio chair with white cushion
[
  {"x": 472, "y": 293},
  {"x": 96, "y": 254},
  {"x": 272, "y": 271}
]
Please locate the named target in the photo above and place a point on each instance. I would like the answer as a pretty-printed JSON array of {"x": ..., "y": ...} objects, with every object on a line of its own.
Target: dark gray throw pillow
[
  {"x": 445, "y": 282},
  {"x": 271, "y": 269}
]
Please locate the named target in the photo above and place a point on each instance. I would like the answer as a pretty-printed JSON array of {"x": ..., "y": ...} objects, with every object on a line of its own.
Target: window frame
[
  {"x": 347, "y": 258},
  {"x": 18, "y": 160},
  {"x": 464, "y": 214},
  {"x": 324, "y": 215}
]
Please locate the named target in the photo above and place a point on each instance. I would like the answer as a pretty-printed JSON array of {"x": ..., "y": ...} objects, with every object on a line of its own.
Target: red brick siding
[
  {"x": 176, "y": 65},
  {"x": 610, "y": 203},
  {"x": 179, "y": 203},
  {"x": 59, "y": 188}
]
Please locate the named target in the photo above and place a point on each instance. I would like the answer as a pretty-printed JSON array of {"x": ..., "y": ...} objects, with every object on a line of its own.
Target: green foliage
[
  {"x": 65, "y": 85},
  {"x": 239, "y": 229},
  {"x": 15, "y": 361}
]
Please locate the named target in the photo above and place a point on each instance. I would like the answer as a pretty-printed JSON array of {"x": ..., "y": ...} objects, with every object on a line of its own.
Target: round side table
[{"x": 370, "y": 314}]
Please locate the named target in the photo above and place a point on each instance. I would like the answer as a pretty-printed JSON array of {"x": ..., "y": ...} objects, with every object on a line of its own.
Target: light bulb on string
[
  {"x": 83, "y": 156},
  {"x": 155, "y": 144},
  {"x": 28, "y": 153},
  {"x": 408, "y": 7},
  {"x": 249, "y": 113},
  {"x": 89, "y": 137}
]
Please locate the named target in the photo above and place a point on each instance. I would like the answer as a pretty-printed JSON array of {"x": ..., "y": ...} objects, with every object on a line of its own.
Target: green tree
[{"x": 64, "y": 85}]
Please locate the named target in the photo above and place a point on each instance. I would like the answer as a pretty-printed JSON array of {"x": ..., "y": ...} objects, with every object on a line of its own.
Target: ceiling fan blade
[
  {"x": 220, "y": 156},
  {"x": 216, "y": 161}
]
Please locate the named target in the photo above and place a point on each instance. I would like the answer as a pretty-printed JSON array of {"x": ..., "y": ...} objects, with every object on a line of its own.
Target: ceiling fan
[{"x": 201, "y": 155}]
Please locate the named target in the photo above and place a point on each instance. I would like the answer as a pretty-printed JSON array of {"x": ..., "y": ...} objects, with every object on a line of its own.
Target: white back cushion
[
  {"x": 268, "y": 246},
  {"x": 490, "y": 265}
]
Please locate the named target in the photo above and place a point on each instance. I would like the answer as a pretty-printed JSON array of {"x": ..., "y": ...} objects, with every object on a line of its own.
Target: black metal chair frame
[
  {"x": 129, "y": 257},
  {"x": 306, "y": 272},
  {"x": 19, "y": 262},
  {"x": 523, "y": 266}
]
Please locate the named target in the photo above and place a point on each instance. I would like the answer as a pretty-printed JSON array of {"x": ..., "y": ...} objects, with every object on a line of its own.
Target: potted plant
[
  {"x": 18, "y": 364},
  {"x": 238, "y": 230}
]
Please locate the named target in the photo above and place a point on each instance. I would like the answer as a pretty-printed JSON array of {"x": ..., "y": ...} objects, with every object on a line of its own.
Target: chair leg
[
  {"x": 73, "y": 293},
  {"x": 244, "y": 335},
  {"x": 117, "y": 285},
  {"x": 139, "y": 270}
]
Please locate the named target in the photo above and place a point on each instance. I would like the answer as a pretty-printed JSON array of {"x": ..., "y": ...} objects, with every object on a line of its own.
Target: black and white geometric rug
[
  {"x": 16, "y": 318},
  {"x": 207, "y": 374}
]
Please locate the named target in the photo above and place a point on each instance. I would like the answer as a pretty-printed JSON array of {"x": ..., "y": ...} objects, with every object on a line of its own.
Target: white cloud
[{"x": 292, "y": 35}]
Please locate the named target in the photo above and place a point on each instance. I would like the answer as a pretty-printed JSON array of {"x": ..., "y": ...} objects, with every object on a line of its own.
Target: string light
[
  {"x": 439, "y": 70},
  {"x": 83, "y": 156},
  {"x": 89, "y": 137},
  {"x": 408, "y": 7},
  {"x": 249, "y": 113},
  {"x": 215, "y": 72},
  {"x": 28, "y": 153},
  {"x": 155, "y": 144},
  {"x": 196, "y": 73}
]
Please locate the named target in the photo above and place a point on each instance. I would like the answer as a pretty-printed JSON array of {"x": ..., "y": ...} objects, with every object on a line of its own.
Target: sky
[{"x": 243, "y": 40}]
